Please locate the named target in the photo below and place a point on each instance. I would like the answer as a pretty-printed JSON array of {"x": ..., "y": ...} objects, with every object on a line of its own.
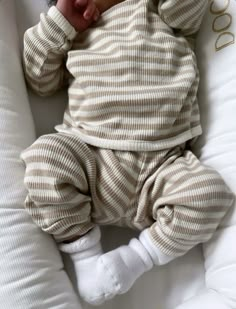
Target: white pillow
[
  {"x": 31, "y": 270},
  {"x": 216, "y": 51}
]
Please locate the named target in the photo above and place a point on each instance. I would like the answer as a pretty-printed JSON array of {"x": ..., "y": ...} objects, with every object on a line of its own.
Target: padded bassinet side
[{"x": 31, "y": 269}]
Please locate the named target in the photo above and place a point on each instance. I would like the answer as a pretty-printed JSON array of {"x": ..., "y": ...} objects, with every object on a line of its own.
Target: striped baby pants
[{"x": 73, "y": 186}]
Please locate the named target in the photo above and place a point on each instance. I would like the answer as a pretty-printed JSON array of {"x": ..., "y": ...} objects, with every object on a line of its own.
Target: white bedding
[{"x": 31, "y": 269}]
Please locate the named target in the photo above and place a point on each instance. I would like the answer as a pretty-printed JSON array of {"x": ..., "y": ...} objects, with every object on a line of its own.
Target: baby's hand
[{"x": 79, "y": 13}]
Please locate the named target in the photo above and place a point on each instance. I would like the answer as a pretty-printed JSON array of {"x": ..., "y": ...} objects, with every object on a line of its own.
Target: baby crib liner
[{"x": 33, "y": 274}]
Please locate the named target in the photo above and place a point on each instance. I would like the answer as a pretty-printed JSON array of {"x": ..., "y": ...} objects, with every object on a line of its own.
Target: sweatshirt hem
[{"x": 132, "y": 145}]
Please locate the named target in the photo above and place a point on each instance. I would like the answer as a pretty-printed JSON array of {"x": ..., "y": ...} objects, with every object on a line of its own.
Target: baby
[{"x": 122, "y": 155}]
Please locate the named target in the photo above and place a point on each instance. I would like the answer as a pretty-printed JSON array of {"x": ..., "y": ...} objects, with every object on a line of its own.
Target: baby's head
[{"x": 103, "y": 5}]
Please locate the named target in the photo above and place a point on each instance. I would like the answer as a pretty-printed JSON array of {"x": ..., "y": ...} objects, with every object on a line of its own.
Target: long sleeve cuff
[{"x": 62, "y": 22}]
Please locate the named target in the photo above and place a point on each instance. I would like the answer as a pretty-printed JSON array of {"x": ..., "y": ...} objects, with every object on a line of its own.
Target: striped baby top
[{"x": 132, "y": 75}]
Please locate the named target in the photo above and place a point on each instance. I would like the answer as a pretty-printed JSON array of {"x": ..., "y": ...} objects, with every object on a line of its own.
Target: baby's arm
[
  {"x": 183, "y": 15},
  {"x": 46, "y": 45},
  {"x": 45, "y": 49}
]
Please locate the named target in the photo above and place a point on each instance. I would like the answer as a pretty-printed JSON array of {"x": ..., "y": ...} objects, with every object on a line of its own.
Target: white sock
[
  {"x": 102, "y": 276},
  {"x": 85, "y": 253},
  {"x": 158, "y": 257},
  {"x": 121, "y": 267}
]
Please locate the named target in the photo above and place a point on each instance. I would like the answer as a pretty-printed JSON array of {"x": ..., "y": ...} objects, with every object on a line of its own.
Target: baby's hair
[{"x": 51, "y": 2}]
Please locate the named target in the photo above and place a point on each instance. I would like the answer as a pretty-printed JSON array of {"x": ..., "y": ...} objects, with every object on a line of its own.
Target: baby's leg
[
  {"x": 189, "y": 201},
  {"x": 58, "y": 197},
  {"x": 60, "y": 171},
  {"x": 61, "y": 175}
]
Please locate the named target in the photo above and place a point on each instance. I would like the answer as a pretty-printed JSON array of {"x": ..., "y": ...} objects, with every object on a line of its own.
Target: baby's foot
[
  {"x": 113, "y": 273},
  {"x": 102, "y": 276}
]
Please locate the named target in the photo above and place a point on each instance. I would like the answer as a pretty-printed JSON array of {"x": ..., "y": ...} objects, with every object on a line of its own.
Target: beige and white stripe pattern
[
  {"x": 134, "y": 73},
  {"x": 73, "y": 186}
]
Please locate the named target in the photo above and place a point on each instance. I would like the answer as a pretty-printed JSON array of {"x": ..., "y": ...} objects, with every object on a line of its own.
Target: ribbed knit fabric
[
  {"x": 72, "y": 186},
  {"x": 134, "y": 73}
]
